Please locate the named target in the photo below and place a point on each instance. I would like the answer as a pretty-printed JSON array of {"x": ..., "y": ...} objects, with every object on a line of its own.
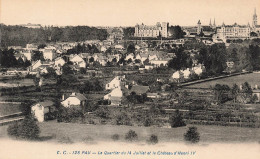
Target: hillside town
[{"x": 159, "y": 76}]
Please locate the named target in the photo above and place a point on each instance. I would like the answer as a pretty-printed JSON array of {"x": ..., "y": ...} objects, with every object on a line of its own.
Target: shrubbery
[
  {"x": 131, "y": 136},
  {"x": 192, "y": 135},
  {"x": 123, "y": 119},
  {"x": 176, "y": 120},
  {"x": 115, "y": 137},
  {"x": 102, "y": 112},
  {"x": 27, "y": 129},
  {"x": 153, "y": 139}
]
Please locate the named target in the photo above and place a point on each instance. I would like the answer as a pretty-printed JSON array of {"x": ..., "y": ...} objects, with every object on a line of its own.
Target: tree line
[{"x": 20, "y": 36}]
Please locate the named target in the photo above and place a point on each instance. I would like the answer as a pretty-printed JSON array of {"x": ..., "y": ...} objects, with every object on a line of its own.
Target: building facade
[
  {"x": 152, "y": 31},
  {"x": 233, "y": 32}
]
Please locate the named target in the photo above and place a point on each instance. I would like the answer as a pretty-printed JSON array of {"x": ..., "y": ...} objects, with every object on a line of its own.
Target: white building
[
  {"x": 186, "y": 73},
  {"x": 40, "y": 109},
  {"x": 75, "y": 99},
  {"x": 130, "y": 56},
  {"x": 49, "y": 54},
  {"x": 115, "y": 83},
  {"x": 28, "y": 54},
  {"x": 79, "y": 61},
  {"x": 199, "y": 69},
  {"x": 115, "y": 96},
  {"x": 59, "y": 62}
]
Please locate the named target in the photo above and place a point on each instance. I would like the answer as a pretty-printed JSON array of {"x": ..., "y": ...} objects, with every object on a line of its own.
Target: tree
[
  {"x": 27, "y": 129},
  {"x": 37, "y": 55},
  {"x": 131, "y": 48},
  {"x": 235, "y": 92},
  {"x": 7, "y": 58},
  {"x": 192, "y": 135},
  {"x": 91, "y": 59},
  {"x": 103, "y": 112},
  {"x": 122, "y": 119},
  {"x": 153, "y": 139},
  {"x": 176, "y": 120},
  {"x": 131, "y": 136},
  {"x": 220, "y": 92},
  {"x": 129, "y": 32},
  {"x": 176, "y": 32}
]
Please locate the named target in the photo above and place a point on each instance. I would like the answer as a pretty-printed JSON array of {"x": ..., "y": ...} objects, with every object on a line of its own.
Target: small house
[
  {"x": 75, "y": 99},
  {"x": 40, "y": 110}
]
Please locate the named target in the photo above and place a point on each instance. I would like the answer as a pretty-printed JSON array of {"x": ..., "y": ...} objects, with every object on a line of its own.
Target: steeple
[
  {"x": 254, "y": 22},
  {"x": 214, "y": 24},
  {"x": 210, "y": 22}
]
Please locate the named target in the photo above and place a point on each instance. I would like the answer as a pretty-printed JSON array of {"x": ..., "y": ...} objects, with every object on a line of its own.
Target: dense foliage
[
  {"x": 192, "y": 135},
  {"x": 7, "y": 59},
  {"x": 27, "y": 129},
  {"x": 20, "y": 36},
  {"x": 176, "y": 120}
]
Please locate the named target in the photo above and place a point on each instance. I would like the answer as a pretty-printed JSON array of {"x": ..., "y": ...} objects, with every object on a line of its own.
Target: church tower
[
  {"x": 199, "y": 28},
  {"x": 254, "y": 23}
]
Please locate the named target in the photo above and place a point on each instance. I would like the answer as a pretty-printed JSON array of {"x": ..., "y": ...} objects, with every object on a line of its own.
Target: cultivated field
[
  {"x": 252, "y": 78},
  {"x": 9, "y": 108}
]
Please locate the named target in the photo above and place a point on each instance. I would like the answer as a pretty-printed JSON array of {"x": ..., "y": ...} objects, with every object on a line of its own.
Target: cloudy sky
[{"x": 126, "y": 12}]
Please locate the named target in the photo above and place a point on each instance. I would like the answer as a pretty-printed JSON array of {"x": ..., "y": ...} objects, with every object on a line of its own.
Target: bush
[
  {"x": 148, "y": 121},
  {"x": 192, "y": 135},
  {"x": 102, "y": 112},
  {"x": 122, "y": 119},
  {"x": 131, "y": 136},
  {"x": 12, "y": 130},
  {"x": 153, "y": 139},
  {"x": 115, "y": 137},
  {"x": 27, "y": 129},
  {"x": 176, "y": 120}
]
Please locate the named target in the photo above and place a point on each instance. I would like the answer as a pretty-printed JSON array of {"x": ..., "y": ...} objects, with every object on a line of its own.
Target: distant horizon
[{"x": 127, "y": 13}]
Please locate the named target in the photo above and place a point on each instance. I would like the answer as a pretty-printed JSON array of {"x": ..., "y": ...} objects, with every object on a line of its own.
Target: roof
[
  {"x": 80, "y": 96},
  {"x": 46, "y": 103},
  {"x": 139, "y": 89}
]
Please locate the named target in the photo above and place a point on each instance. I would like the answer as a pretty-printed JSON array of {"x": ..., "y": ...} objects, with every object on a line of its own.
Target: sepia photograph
[{"x": 129, "y": 79}]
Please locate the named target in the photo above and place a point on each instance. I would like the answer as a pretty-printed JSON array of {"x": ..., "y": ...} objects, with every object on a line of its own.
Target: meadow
[{"x": 252, "y": 78}]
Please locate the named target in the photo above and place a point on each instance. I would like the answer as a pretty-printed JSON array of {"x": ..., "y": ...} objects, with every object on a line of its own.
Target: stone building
[{"x": 152, "y": 31}]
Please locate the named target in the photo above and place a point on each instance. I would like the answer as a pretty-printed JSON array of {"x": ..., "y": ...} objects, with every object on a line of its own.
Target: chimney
[
  {"x": 63, "y": 97},
  {"x": 73, "y": 94},
  {"x": 256, "y": 86}
]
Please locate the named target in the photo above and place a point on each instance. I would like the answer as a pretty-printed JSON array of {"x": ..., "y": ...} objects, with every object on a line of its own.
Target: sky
[{"x": 127, "y": 12}]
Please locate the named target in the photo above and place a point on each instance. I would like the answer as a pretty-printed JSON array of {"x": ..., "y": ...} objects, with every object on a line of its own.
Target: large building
[
  {"x": 152, "y": 31},
  {"x": 233, "y": 32},
  {"x": 236, "y": 31}
]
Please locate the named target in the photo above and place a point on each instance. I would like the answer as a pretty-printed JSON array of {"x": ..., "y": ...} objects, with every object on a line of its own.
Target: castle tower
[
  {"x": 254, "y": 23},
  {"x": 199, "y": 28}
]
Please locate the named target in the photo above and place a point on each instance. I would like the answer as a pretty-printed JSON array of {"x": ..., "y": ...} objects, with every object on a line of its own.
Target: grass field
[
  {"x": 252, "y": 78},
  {"x": 80, "y": 132}
]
